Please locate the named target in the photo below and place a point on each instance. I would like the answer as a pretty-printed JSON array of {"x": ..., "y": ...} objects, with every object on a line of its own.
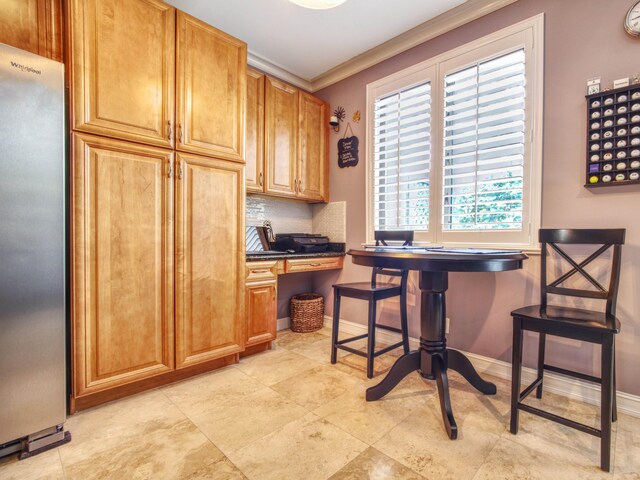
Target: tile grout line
[
  {"x": 486, "y": 459},
  {"x": 64, "y": 475},
  {"x": 312, "y": 412},
  {"x": 367, "y": 442},
  {"x": 187, "y": 417}
]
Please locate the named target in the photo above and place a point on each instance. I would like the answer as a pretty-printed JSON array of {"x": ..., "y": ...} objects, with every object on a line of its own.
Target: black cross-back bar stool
[
  {"x": 372, "y": 292},
  {"x": 579, "y": 324}
]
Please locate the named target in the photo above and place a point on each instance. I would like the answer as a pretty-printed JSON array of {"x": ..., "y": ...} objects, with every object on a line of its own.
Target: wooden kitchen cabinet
[
  {"x": 281, "y": 136},
  {"x": 124, "y": 72},
  {"x": 296, "y": 265},
  {"x": 296, "y": 144},
  {"x": 261, "y": 305},
  {"x": 122, "y": 282},
  {"x": 313, "y": 165},
  {"x": 209, "y": 259},
  {"x": 158, "y": 284},
  {"x": 211, "y": 82},
  {"x": 33, "y": 25},
  {"x": 254, "y": 147},
  {"x": 123, "y": 69}
]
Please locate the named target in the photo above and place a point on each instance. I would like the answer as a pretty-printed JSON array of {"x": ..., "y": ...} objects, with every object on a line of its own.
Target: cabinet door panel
[
  {"x": 19, "y": 26},
  {"x": 123, "y": 263},
  {"x": 281, "y": 133},
  {"x": 33, "y": 25},
  {"x": 211, "y": 75},
  {"x": 313, "y": 166},
  {"x": 254, "y": 148},
  {"x": 261, "y": 312},
  {"x": 123, "y": 60},
  {"x": 210, "y": 259}
]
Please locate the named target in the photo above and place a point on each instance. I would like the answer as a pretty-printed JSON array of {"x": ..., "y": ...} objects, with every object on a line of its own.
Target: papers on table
[{"x": 456, "y": 251}]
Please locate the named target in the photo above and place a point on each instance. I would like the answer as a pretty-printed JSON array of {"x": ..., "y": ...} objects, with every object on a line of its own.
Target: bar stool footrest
[
  {"x": 388, "y": 349},
  {"x": 352, "y": 339},
  {"x": 351, "y": 350},
  {"x": 572, "y": 373},
  {"x": 561, "y": 420},
  {"x": 527, "y": 391}
]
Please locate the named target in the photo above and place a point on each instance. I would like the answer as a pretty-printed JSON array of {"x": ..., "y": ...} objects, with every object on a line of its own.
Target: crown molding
[
  {"x": 272, "y": 68},
  {"x": 447, "y": 21},
  {"x": 454, "y": 18}
]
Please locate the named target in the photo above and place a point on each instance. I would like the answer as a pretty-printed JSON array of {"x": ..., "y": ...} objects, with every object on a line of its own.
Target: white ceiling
[{"x": 305, "y": 42}]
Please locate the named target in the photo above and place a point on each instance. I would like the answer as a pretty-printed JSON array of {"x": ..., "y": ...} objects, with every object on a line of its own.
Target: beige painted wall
[{"x": 584, "y": 38}]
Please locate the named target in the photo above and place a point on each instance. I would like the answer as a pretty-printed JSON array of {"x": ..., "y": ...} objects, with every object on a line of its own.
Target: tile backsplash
[
  {"x": 330, "y": 219},
  {"x": 286, "y": 216},
  {"x": 291, "y": 216}
]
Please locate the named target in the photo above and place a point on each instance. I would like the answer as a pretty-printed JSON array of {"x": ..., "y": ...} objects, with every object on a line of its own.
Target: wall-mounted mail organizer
[{"x": 613, "y": 137}]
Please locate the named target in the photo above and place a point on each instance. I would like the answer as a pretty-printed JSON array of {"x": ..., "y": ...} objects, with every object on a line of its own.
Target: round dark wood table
[{"x": 433, "y": 358}]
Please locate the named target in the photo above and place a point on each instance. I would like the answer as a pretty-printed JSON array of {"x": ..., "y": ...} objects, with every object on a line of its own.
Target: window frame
[{"x": 529, "y": 35}]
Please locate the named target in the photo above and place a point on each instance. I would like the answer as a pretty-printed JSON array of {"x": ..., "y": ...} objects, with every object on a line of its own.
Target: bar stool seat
[
  {"x": 570, "y": 317},
  {"x": 366, "y": 291}
]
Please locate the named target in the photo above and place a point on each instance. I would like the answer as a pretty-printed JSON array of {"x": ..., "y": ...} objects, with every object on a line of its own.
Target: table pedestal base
[{"x": 433, "y": 359}]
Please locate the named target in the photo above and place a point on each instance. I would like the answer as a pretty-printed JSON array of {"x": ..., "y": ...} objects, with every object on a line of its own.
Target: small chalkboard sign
[{"x": 348, "y": 152}]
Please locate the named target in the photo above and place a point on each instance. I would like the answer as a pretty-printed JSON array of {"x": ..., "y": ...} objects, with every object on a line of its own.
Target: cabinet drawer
[
  {"x": 312, "y": 264},
  {"x": 258, "y": 271}
]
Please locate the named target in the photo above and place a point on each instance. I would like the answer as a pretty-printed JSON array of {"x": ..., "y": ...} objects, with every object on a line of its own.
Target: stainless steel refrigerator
[{"x": 32, "y": 253}]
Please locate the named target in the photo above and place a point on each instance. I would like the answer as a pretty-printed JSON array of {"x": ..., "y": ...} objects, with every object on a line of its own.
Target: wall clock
[{"x": 632, "y": 20}]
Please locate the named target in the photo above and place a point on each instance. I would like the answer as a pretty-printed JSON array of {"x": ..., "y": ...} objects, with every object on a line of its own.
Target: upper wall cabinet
[
  {"x": 125, "y": 72},
  {"x": 295, "y": 146},
  {"x": 281, "y": 136},
  {"x": 313, "y": 138},
  {"x": 123, "y": 69},
  {"x": 211, "y": 76},
  {"x": 33, "y": 25},
  {"x": 254, "y": 146}
]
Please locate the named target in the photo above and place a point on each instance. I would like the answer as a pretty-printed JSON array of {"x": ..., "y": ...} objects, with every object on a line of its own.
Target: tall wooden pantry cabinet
[{"x": 157, "y": 107}]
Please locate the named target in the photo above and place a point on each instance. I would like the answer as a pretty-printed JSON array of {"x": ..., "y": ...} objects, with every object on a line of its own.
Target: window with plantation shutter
[
  {"x": 484, "y": 145},
  {"x": 454, "y": 144},
  {"x": 402, "y": 159}
]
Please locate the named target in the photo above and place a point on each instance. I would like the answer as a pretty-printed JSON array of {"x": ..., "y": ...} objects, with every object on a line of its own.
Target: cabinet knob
[
  {"x": 170, "y": 130},
  {"x": 260, "y": 181},
  {"x": 180, "y": 132},
  {"x": 170, "y": 169}
]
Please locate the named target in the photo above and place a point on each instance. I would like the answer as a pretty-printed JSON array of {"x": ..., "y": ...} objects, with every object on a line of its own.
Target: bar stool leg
[
  {"x": 403, "y": 320},
  {"x": 614, "y": 414},
  {"x": 516, "y": 364},
  {"x": 606, "y": 403},
  {"x": 542, "y": 340},
  {"x": 371, "y": 343},
  {"x": 336, "y": 323}
]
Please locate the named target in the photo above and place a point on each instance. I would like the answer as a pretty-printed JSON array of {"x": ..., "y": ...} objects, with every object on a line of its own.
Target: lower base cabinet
[
  {"x": 122, "y": 263},
  {"x": 261, "y": 304},
  {"x": 209, "y": 259},
  {"x": 129, "y": 203}
]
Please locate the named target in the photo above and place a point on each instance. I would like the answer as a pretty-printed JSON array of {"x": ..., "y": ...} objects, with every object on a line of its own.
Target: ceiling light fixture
[{"x": 318, "y": 4}]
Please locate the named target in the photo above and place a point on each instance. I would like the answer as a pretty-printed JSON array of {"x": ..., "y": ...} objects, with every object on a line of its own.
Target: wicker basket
[{"x": 307, "y": 312}]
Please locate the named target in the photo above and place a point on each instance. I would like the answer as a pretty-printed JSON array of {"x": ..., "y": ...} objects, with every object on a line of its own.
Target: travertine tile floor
[{"x": 289, "y": 414}]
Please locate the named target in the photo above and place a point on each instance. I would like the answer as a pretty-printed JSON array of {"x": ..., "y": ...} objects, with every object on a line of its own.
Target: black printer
[{"x": 301, "y": 242}]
